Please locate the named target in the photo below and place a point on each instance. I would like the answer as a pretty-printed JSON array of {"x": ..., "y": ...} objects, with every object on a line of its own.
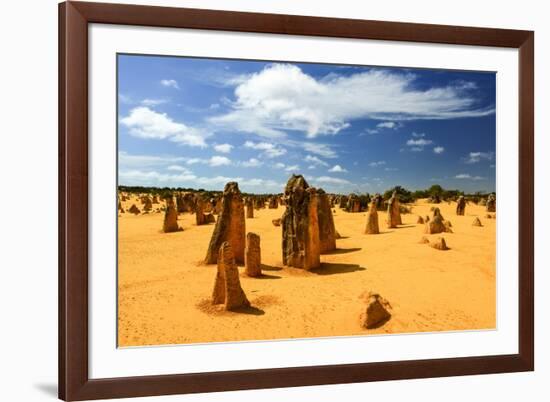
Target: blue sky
[{"x": 186, "y": 122}]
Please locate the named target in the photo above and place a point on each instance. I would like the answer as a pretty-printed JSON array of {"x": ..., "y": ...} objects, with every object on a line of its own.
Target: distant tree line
[{"x": 405, "y": 196}]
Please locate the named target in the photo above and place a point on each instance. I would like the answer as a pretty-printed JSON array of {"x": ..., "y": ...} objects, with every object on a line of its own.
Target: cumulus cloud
[
  {"x": 170, "y": 84},
  {"x": 337, "y": 169},
  {"x": 223, "y": 148},
  {"x": 282, "y": 97},
  {"x": 293, "y": 168},
  {"x": 475, "y": 157},
  {"x": 145, "y": 123},
  {"x": 219, "y": 161},
  {"x": 377, "y": 163},
  {"x": 439, "y": 150},
  {"x": 252, "y": 162}
]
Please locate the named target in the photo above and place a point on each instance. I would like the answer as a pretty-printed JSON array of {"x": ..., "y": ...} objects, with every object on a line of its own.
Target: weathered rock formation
[
  {"x": 372, "y": 220},
  {"x": 394, "y": 215},
  {"x": 420, "y": 220},
  {"x": 230, "y": 225},
  {"x": 134, "y": 210},
  {"x": 147, "y": 204},
  {"x": 301, "y": 243},
  {"x": 437, "y": 224},
  {"x": 252, "y": 255},
  {"x": 377, "y": 312},
  {"x": 476, "y": 222},
  {"x": 276, "y": 222},
  {"x": 439, "y": 244},
  {"x": 273, "y": 203},
  {"x": 491, "y": 204},
  {"x": 460, "y": 205},
  {"x": 327, "y": 231},
  {"x": 343, "y": 202},
  {"x": 170, "y": 217},
  {"x": 227, "y": 287},
  {"x": 354, "y": 203},
  {"x": 249, "y": 204}
]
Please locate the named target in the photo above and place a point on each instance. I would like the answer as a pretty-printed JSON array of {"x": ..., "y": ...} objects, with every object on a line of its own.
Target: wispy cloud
[
  {"x": 315, "y": 160},
  {"x": 421, "y": 142},
  {"x": 283, "y": 98},
  {"x": 293, "y": 168},
  {"x": 475, "y": 157},
  {"x": 439, "y": 150},
  {"x": 377, "y": 163},
  {"x": 466, "y": 176},
  {"x": 268, "y": 149},
  {"x": 153, "y": 102}
]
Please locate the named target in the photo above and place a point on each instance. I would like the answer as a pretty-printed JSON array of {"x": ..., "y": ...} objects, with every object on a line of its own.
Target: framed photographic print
[{"x": 259, "y": 200}]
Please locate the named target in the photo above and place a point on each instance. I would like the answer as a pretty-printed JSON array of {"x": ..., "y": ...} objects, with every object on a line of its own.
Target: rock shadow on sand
[
  {"x": 207, "y": 307},
  {"x": 342, "y": 251},
  {"x": 270, "y": 268},
  {"x": 330, "y": 268}
]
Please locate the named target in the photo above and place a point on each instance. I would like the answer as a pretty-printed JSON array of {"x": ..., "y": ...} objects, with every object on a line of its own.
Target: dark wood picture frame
[{"x": 74, "y": 381}]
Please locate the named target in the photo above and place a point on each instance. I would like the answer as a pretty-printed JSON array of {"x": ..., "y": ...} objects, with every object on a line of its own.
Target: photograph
[{"x": 270, "y": 200}]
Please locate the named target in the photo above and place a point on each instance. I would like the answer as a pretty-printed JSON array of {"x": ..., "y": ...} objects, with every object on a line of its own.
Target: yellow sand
[{"x": 164, "y": 291}]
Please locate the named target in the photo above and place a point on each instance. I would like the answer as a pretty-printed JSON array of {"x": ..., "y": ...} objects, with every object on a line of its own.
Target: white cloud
[
  {"x": 129, "y": 161},
  {"x": 153, "y": 102},
  {"x": 475, "y": 157},
  {"x": 293, "y": 168},
  {"x": 418, "y": 135},
  {"x": 315, "y": 160},
  {"x": 421, "y": 142},
  {"x": 439, "y": 150},
  {"x": 330, "y": 180},
  {"x": 219, "y": 161},
  {"x": 417, "y": 149},
  {"x": 282, "y": 97},
  {"x": 223, "y": 148},
  {"x": 154, "y": 178},
  {"x": 279, "y": 165},
  {"x": 377, "y": 163},
  {"x": 387, "y": 124},
  {"x": 178, "y": 168},
  {"x": 145, "y": 123},
  {"x": 252, "y": 162},
  {"x": 389, "y": 169},
  {"x": 468, "y": 177},
  {"x": 268, "y": 149},
  {"x": 323, "y": 150},
  {"x": 170, "y": 84},
  {"x": 337, "y": 169},
  {"x": 216, "y": 160}
]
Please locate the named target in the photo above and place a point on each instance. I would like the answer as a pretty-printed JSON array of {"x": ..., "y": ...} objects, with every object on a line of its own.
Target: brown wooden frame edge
[{"x": 74, "y": 382}]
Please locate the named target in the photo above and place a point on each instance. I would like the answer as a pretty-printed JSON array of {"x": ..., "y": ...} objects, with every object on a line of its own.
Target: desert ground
[{"x": 164, "y": 289}]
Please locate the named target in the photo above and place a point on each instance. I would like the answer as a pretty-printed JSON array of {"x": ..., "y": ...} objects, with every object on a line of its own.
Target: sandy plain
[{"x": 164, "y": 290}]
